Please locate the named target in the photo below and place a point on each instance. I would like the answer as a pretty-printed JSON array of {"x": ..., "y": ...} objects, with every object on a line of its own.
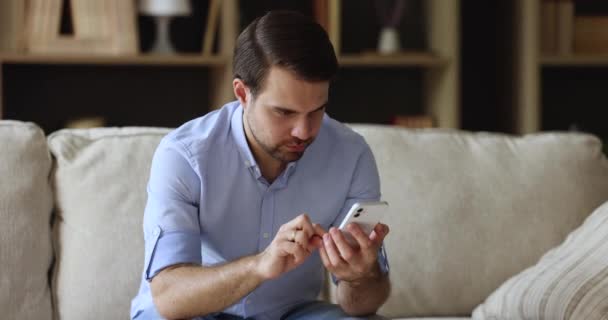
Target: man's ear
[{"x": 241, "y": 91}]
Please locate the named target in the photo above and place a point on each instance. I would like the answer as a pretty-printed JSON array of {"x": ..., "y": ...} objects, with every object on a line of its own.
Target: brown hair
[{"x": 286, "y": 39}]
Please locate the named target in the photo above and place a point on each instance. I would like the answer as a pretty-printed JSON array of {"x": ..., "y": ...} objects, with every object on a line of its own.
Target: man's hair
[{"x": 286, "y": 39}]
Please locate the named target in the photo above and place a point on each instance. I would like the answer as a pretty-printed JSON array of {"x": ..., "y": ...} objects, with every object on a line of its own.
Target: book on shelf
[
  {"x": 591, "y": 34},
  {"x": 548, "y": 9},
  {"x": 86, "y": 122},
  {"x": 123, "y": 27},
  {"x": 334, "y": 23},
  {"x": 414, "y": 121},
  {"x": 12, "y": 24},
  {"x": 556, "y": 26},
  {"x": 564, "y": 26},
  {"x": 327, "y": 14},
  {"x": 321, "y": 13}
]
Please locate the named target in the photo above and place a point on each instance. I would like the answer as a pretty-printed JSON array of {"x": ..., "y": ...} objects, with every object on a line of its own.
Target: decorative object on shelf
[
  {"x": 389, "y": 14},
  {"x": 163, "y": 11},
  {"x": 100, "y": 27}
]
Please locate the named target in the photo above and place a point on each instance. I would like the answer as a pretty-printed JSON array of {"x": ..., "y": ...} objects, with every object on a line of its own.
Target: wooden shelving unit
[
  {"x": 413, "y": 59},
  {"x": 574, "y": 61},
  {"x": 440, "y": 62},
  {"x": 529, "y": 64},
  {"x": 177, "y": 60},
  {"x": 409, "y": 59}
]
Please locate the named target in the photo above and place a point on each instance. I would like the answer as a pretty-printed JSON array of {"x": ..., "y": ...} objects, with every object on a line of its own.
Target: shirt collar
[{"x": 238, "y": 133}]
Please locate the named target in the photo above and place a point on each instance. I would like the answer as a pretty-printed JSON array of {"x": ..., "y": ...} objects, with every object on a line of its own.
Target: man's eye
[{"x": 283, "y": 112}]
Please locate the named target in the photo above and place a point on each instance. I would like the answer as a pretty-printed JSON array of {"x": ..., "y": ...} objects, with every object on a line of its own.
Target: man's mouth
[{"x": 297, "y": 147}]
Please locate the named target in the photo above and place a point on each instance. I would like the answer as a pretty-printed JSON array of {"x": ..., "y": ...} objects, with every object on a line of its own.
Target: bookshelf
[
  {"x": 574, "y": 61},
  {"x": 438, "y": 64},
  {"x": 535, "y": 68},
  {"x": 140, "y": 59}
]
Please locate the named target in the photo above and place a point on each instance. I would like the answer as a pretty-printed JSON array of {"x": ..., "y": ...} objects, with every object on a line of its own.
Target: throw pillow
[{"x": 569, "y": 282}]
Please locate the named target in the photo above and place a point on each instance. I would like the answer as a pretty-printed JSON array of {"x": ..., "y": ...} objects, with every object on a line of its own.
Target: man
[{"x": 242, "y": 202}]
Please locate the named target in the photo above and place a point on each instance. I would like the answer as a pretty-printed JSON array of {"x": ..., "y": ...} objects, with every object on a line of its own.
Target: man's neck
[{"x": 270, "y": 167}]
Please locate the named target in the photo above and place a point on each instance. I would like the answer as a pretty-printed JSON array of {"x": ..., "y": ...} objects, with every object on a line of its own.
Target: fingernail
[{"x": 326, "y": 237}]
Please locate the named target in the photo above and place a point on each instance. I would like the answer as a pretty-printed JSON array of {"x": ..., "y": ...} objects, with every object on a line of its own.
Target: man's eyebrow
[
  {"x": 284, "y": 109},
  {"x": 323, "y": 106}
]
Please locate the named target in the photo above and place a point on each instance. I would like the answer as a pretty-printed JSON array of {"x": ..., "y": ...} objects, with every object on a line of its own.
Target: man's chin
[
  {"x": 293, "y": 156},
  {"x": 290, "y": 156}
]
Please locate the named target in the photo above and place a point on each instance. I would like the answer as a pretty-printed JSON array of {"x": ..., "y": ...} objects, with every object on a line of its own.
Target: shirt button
[
  {"x": 266, "y": 234},
  {"x": 156, "y": 231}
]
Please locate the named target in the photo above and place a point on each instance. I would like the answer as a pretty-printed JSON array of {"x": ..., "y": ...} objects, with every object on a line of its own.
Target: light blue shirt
[{"x": 209, "y": 204}]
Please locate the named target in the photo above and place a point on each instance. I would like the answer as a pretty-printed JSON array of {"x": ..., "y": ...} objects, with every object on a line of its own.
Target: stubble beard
[{"x": 275, "y": 151}]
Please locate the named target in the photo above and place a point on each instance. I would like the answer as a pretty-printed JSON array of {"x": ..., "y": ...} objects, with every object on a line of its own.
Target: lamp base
[{"x": 162, "y": 43}]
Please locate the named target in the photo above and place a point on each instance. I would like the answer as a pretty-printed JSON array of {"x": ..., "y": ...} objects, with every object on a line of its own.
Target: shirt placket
[{"x": 267, "y": 214}]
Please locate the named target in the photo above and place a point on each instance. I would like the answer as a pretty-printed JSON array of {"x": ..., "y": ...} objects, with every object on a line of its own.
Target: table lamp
[{"x": 163, "y": 11}]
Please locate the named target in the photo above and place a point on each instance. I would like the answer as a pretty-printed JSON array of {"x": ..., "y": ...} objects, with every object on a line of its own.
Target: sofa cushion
[
  {"x": 569, "y": 282},
  {"x": 468, "y": 211},
  {"x": 100, "y": 181},
  {"x": 25, "y": 213}
]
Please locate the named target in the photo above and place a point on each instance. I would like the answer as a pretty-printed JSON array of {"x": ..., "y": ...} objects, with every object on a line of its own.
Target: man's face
[{"x": 286, "y": 115}]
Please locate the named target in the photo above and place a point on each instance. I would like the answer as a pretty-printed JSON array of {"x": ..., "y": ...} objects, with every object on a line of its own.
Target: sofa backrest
[
  {"x": 25, "y": 213},
  {"x": 469, "y": 210}
]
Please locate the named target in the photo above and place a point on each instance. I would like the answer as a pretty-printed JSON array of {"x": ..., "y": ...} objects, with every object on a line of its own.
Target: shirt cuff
[{"x": 171, "y": 248}]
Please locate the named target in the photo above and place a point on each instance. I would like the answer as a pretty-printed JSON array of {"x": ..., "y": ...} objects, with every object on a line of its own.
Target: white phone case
[{"x": 366, "y": 215}]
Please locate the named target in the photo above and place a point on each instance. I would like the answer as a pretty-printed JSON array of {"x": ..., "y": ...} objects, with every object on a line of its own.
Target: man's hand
[
  {"x": 293, "y": 244},
  {"x": 356, "y": 262}
]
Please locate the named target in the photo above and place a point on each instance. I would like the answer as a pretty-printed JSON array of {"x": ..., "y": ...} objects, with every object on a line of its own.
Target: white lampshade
[{"x": 165, "y": 7}]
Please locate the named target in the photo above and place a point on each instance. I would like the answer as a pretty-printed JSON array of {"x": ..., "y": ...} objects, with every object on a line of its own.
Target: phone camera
[{"x": 358, "y": 212}]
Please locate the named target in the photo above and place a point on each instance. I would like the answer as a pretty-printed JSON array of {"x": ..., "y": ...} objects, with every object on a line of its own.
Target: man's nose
[{"x": 302, "y": 129}]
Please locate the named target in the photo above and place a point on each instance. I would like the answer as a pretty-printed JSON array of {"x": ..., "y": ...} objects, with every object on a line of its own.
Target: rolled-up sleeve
[
  {"x": 171, "y": 217},
  {"x": 365, "y": 186}
]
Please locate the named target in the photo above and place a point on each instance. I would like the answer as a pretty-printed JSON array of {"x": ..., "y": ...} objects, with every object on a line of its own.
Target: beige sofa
[{"x": 468, "y": 211}]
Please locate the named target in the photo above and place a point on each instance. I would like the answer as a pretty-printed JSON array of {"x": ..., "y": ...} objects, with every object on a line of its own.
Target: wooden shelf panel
[
  {"x": 413, "y": 59},
  {"x": 174, "y": 60},
  {"x": 406, "y": 59},
  {"x": 574, "y": 60}
]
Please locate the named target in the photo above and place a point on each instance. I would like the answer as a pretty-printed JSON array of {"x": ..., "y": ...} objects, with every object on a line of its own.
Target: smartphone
[{"x": 366, "y": 214}]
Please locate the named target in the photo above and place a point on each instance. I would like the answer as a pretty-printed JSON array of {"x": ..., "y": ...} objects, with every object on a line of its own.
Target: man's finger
[
  {"x": 315, "y": 241},
  {"x": 302, "y": 238},
  {"x": 295, "y": 250},
  {"x": 332, "y": 252},
  {"x": 379, "y": 233},
  {"x": 325, "y": 258},
  {"x": 344, "y": 248},
  {"x": 318, "y": 229},
  {"x": 363, "y": 240},
  {"x": 302, "y": 223}
]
